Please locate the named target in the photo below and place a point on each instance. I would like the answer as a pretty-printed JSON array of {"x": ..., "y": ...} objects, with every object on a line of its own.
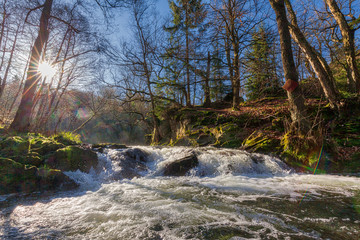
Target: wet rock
[
  {"x": 72, "y": 158},
  {"x": 101, "y": 146},
  {"x": 181, "y": 166},
  {"x": 137, "y": 154},
  {"x": 257, "y": 159},
  {"x": 52, "y": 179},
  {"x": 132, "y": 162}
]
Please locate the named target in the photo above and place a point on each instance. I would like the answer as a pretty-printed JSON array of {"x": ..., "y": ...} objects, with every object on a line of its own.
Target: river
[{"x": 230, "y": 195}]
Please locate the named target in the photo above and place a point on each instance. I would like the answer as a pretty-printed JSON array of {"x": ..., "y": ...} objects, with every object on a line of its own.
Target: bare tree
[
  {"x": 236, "y": 19},
  {"x": 316, "y": 60},
  {"x": 22, "y": 119},
  {"x": 295, "y": 96},
  {"x": 348, "y": 38},
  {"x": 139, "y": 58}
]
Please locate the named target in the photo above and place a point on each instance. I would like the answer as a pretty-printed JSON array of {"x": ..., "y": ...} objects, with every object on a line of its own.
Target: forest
[
  {"x": 180, "y": 119},
  {"x": 120, "y": 71}
]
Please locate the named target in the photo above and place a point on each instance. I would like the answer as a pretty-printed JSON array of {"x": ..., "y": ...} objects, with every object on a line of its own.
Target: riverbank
[
  {"x": 263, "y": 126},
  {"x": 33, "y": 162}
]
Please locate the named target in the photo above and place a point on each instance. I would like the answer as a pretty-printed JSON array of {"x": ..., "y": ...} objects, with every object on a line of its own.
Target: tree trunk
[
  {"x": 348, "y": 39},
  {"x": 188, "y": 92},
  {"x": 207, "y": 101},
  {"x": 236, "y": 78},
  {"x": 4, "y": 80},
  {"x": 296, "y": 98},
  {"x": 22, "y": 119},
  {"x": 317, "y": 62}
]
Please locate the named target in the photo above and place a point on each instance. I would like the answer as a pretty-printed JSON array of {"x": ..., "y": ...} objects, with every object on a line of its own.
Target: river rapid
[{"x": 230, "y": 195}]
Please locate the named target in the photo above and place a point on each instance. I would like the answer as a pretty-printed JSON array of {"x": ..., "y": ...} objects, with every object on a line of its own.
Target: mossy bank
[
  {"x": 33, "y": 162},
  {"x": 332, "y": 144}
]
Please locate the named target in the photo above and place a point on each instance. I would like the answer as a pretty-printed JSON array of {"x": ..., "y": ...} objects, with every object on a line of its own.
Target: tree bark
[
  {"x": 317, "y": 62},
  {"x": 187, "y": 50},
  {"x": 4, "y": 80},
  {"x": 295, "y": 97},
  {"x": 348, "y": 39},
  {"x": 22, "y": 119},
  {"x": 207, "y": 101}
]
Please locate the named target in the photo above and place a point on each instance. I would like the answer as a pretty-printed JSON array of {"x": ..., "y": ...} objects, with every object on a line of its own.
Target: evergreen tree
[
  {"x": 262, "y": 80},
  {"x": 187, "y": 16}
]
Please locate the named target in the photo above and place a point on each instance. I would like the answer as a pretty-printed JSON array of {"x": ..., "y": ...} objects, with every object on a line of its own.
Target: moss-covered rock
[
  {"x": 14, "y": 146},
  {"x": 17, "y": 177},
  {"x": 67, "y": 138},
  {"x": 52, "y": 179},
  {"x": 11, "y": 174},
  {"x": 72, "y": 158},
  {"x": 23, "y": 168},
  {"x": 31, "y": 158},
  {"x": 260, "y": 142},
  {"x": 44, "y": 146},
  {"x": 301, "y": 149}
]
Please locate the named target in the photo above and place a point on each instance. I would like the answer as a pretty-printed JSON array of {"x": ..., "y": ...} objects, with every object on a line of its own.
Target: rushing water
[{"x": 230, "y": 195}]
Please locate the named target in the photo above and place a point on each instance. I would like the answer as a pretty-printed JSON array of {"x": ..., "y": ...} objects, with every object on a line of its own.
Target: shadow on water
[{"x": 8, "y": 203}]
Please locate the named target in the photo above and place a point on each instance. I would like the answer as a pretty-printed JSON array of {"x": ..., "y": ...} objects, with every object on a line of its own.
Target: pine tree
[
  {"x": 187, "y": 15},
  {"x": 262, "y": 80}
]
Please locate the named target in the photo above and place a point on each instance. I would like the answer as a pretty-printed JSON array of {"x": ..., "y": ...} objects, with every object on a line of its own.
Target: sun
[{"x": 46, "y": 70}]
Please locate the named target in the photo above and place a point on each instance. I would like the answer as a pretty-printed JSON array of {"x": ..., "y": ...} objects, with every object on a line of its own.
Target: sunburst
[{"x": 46, "y": 70}]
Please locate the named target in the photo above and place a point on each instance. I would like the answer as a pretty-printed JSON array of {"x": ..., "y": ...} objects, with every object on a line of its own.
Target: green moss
[
  {"x": 22, "y": 160},
  {"x": 15, "y": 177},
  {"x": 44, "y": 145},
  {"x": 300, "y": 149},
  {"x": 67, "y": 138},
  {"x": 259, "y": 142},
  {"x": 277, "y": 124},
  {"x": 72, "y": 158},
  {"x": 32, "y": 158},
  {"x": 14, "y": 146}
]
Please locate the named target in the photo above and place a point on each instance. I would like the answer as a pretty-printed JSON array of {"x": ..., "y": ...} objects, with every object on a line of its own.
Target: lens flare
[{"x": 46, "y": 70}]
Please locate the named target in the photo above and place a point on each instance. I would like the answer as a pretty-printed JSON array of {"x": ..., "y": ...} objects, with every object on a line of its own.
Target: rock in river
[{"x": 181, "y": 166}]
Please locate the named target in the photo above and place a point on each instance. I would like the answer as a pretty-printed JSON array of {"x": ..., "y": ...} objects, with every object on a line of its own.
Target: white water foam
[{"x": 228, "y": 192}]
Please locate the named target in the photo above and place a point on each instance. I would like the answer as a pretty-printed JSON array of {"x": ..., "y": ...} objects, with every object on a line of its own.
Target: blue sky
[{"x": 122, "y": 19}]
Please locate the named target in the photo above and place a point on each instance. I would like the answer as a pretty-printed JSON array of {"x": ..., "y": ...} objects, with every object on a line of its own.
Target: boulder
[
  {"x": 32, "y": 158},
  {"x": 72, "y": 158},
  {"x": 11, "y": 176},
  {"x": 17, "y": 177},
  {"x": 137, "y": 154},
  {"x": 181, "y": 166},
  {"x": 45, "y": 146},
  {"x": 14, "y": 146},
  {"x": 53, "y": 179},
  {"x": 132, "y": 162}
]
